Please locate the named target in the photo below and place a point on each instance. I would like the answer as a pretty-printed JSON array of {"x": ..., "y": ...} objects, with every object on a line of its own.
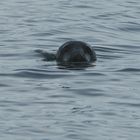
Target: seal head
[{"x": 75, "y": 52}]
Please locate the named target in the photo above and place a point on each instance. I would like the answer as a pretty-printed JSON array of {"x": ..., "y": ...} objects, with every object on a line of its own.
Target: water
[{"x": 39, "y": 101}]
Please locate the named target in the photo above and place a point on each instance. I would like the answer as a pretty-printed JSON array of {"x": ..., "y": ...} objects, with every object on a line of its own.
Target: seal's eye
[{"x": 66, "y": 57}]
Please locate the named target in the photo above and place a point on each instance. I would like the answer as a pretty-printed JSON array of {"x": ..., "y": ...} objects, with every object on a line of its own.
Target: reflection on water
[
  {"x": 75, "y": 66},
  {"x": 44, "y": 101}
]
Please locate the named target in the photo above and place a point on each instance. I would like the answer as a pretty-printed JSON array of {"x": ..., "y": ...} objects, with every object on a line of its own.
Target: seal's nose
[{"x": 78, "y": 58}]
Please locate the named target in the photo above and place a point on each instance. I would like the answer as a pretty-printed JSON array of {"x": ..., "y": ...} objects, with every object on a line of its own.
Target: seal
[
  {"x": 75, "y": 52},
  {"x": 72, "y": 53}
]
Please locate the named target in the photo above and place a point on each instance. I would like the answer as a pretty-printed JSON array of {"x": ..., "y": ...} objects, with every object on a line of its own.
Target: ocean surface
[{"x": 40, "y": 101}]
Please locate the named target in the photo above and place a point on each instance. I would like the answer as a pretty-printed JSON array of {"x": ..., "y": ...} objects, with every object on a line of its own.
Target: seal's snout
[
  {"x": 77, "y": 55},
  {"x": 78, "y": 58}
]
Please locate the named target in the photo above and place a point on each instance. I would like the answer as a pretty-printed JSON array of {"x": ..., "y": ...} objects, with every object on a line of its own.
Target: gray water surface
[{"x": 40, "y": 101}]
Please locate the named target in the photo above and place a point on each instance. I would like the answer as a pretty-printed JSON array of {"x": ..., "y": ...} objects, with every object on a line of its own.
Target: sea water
[{"x": 40, "y": 101}]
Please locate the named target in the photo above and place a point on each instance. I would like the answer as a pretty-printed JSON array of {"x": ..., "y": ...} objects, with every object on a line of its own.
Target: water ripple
[
  {"x": 88, "y": 92},
  {"x": 36, "y": 75},
  {"x": 129, "y": 70},
  {"x": 127, "y": 104},
  {"x": 131, "y": 28}
]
